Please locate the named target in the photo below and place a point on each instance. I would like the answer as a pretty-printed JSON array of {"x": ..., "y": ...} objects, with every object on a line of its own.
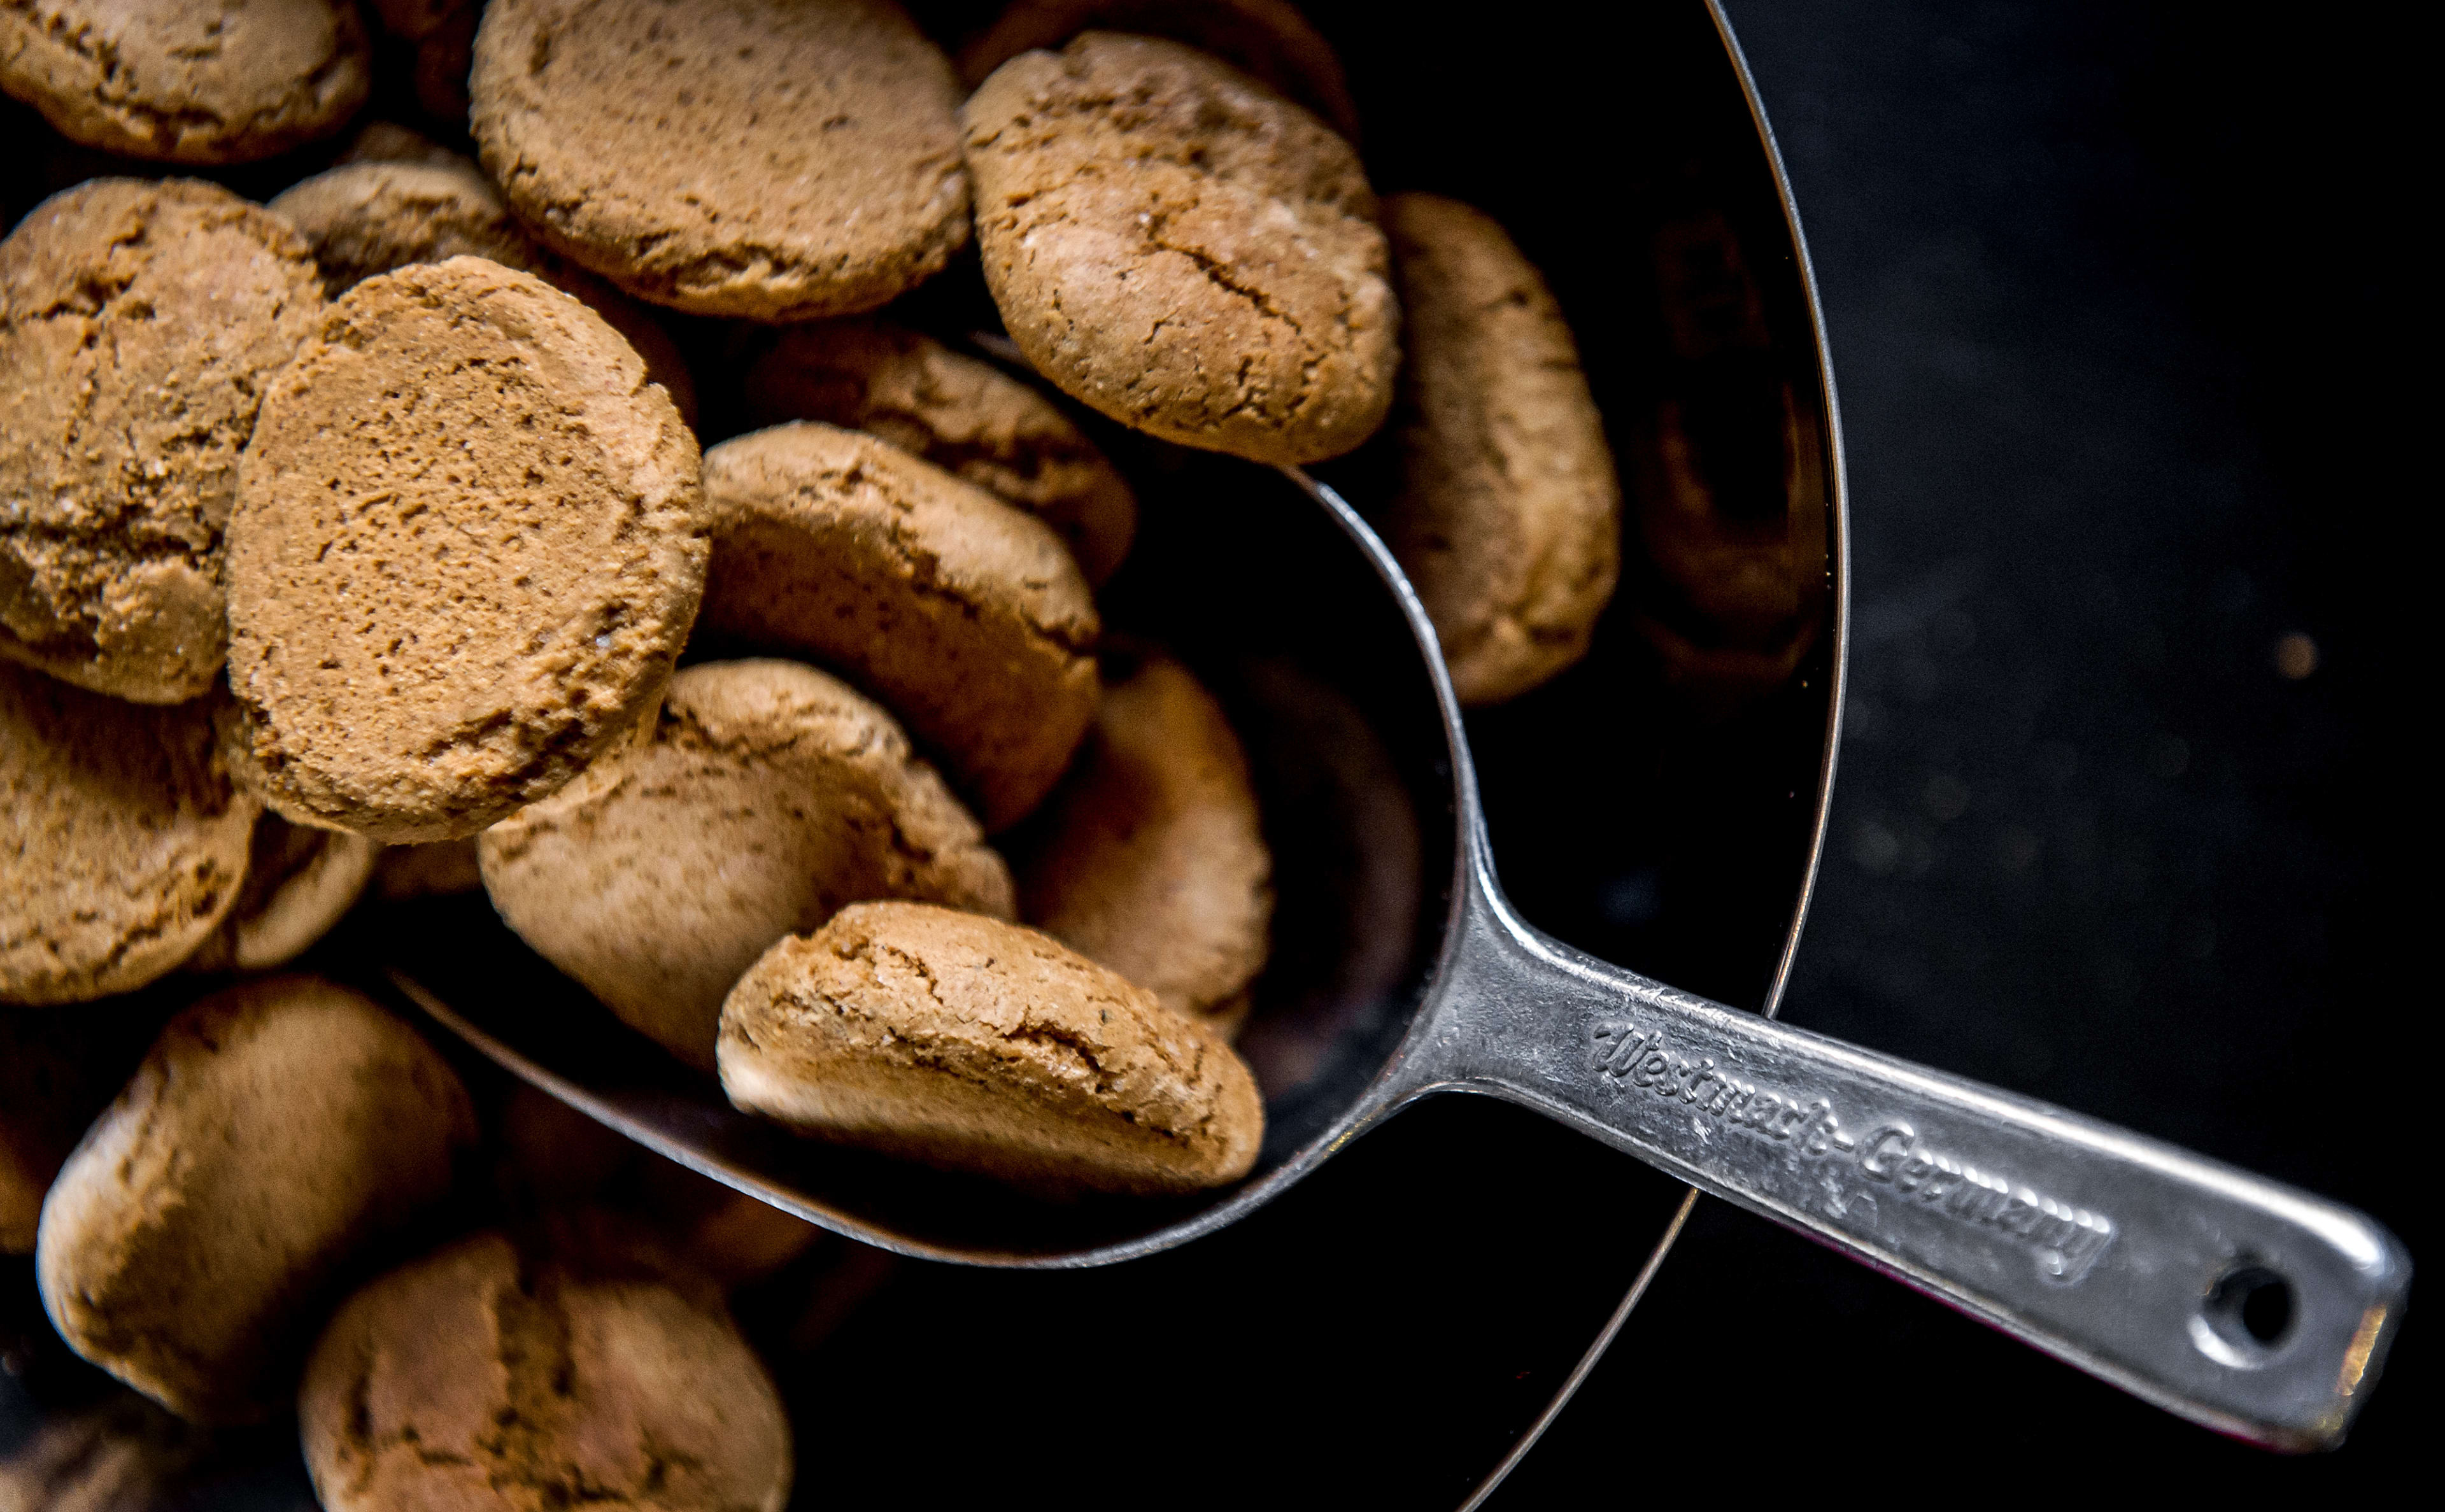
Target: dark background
[{"x": 2129, "y": 324}]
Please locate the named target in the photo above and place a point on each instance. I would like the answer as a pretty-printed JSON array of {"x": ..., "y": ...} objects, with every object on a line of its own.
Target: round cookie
[
  {"x": 273, "y": 1132},
  {"x": 1152, "y": 860},
  {"x": 365, "y": 218},
  {"x": 122, "y": 845},
  {"x": 768, "y": 796},
  {"x": 469, "y": 542},
  {"x": 982, "y": 1046},
  {"x": 140, "y": 323},
  {"x": 1182, "y": 249},
  {"x": 967, "y": 618},
  {"x": 479, "y": 1377},
  {"x": 299, "y": 883},
  {"x": 1267, "y": 40},
  {"x": 763, "y": 158},
  {"x": 962, "y": 414},
  {"x": 187, "y": 81},
  {"x": 1509, "y": 516}
]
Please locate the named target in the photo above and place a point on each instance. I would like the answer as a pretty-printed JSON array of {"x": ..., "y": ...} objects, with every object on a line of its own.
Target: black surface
[{"x": 2132, "y": 336}]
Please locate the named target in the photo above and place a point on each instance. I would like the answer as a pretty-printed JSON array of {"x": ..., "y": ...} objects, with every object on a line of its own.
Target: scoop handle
[{"x": 2255, "y": 1309}]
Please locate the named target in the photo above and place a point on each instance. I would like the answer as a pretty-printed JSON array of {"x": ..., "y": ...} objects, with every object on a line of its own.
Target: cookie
[
  {"x": 437, "y": 869},
  {"x": 982, "y": 1046},
  {"x": 1267, "y": 40},
  {"x": 1182, "y": 249},
  {"x": 964, "y": 616},
  {"x": 299, "y": 882},
  {"x": 122, "y": 841},
  {"x": 468, "y": 543},
  {"x": 768, "y": 796},
  {"x": 138, "y": 324},
  {"x": 371, "y": 217},
  {"x": 962, "y": 414},
  {"x": 274, "y": 1131},
  {"x": 389, "y": 141},
  {"x": 1152, "y": 861},
  {"x": 481, "y": 1377},
  {"x": 762, "y": 158},
  {"x": 1509, "y": 517},
  {"x": 187, "y": 81}
]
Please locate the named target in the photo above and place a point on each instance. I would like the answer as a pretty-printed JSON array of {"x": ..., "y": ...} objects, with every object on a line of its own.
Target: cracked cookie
[
  {"x": 746, "y": 158},
  {"x": 468, "y": 544},
  {"x": 299, "y": 882},
  {"x": 365, "y": 218},
  {"x": 140, "y": 324},
  {"x": 479, "y": 1376},
  {"x": 187, "y": 81},
  {"x": 982, "y": 1046},
  {"x": 967, "y": 617},
  {"x": 272, "y": 1133},
  {"x": 960, "y": 413},
  {"x": 1149, "y": 857},
  {"x": 765, "y": 796},
  {"x": 1267, "y": 40},
  {"x": 123, "y": 843},
  {"x": 1182, "y": 249},
  {"x": 1509, "y": 516}
]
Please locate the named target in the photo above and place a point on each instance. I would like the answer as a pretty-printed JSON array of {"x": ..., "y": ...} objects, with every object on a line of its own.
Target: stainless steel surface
[{"x": 2125, "y": 1256}]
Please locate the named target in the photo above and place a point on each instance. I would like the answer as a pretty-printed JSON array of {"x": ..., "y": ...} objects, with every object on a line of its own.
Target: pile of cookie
[{"x": 362, "y": 541}]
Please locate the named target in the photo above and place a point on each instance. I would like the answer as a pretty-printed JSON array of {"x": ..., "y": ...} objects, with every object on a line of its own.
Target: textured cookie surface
[
  {"x": 769, "y": 795},
  {"x": 1509, "y": 517},
  {"x": 273, "y": 1131},
  {"x": 1267, "y": 40},
  {"x": 763, "y": 158},
  {"x": 468, "y": 544},
  {"x": 964, "y": 616},
  {"x": 1152, "y": 862},
  {"x": 299, "y": 882},
  {"x": 122, "y": 841},
  {"x": 477, "y": 1377},
  {"x": 982, "y": 1046},
  {"x": 186, "y": 80},
  {"x": 962, "y": 414},
  {"x": 1182, "y": 249},
  {"x": 364, "y": 218},
  {"x": 138, "y": 324}
]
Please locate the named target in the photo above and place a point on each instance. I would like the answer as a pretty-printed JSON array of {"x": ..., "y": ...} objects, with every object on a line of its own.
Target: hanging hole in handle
[{"x": 2245, "y": 1316}]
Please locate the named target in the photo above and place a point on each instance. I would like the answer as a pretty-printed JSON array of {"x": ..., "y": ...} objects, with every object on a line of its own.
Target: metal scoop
[{"x": 1400, "y": 971}]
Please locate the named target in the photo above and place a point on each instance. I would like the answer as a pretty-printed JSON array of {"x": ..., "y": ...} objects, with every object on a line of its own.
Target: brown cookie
[
  {"x": 1182, "y": 249},
  {"x": 299, "y": 882},
  {"x": 434, "y": 871},
  {"x": 1152, "y": 860},
  {"x": 275, "y": 1131},
  {"x": 981, "y": 1046},
  {"x": 960, "y": 413},
  {"x": 481, "y": 1377},
  {"x": 138, "y": 323},
  {"x": 469, "y": 542},
  {"x": 768, "y": 796},
  {"x": 965, "y": 617},
  {"x": 763, "y": 158},
  {"x": 1509, "y": 516},
  {"x": 371, "y": 217},
  {"x": 1267, "y": 40},
  {"x": 187, "y": 81},
  {"x": 389, "y": 141},
  {"x": 123, "y": 843}
]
